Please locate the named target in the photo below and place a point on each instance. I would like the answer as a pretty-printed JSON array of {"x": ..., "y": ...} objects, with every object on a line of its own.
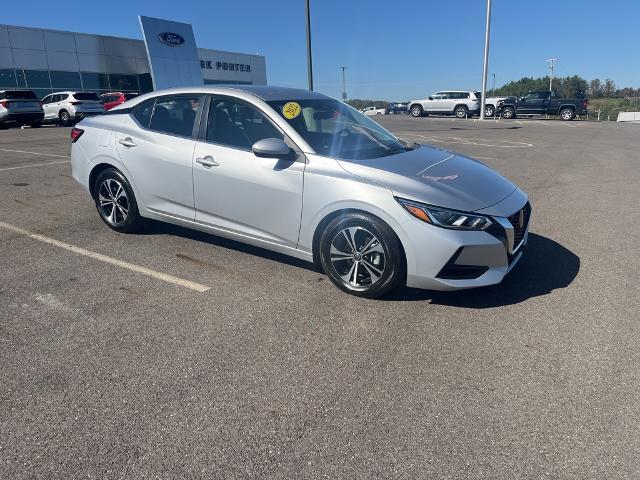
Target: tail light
[
  {"x": 76, "y": 133},
  {"x": 4, "y": 103}
]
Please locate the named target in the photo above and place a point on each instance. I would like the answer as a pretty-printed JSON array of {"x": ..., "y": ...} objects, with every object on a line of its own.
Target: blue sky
[{"x": 393, "y": 50}]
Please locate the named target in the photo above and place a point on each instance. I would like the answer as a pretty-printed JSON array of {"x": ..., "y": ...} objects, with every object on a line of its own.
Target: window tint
[
  {"x": 142, "y": 113},
  {"x": 176, "y": 115},
  {"x": 46, "y": 100},
  {"x": 19, "y": 95},
  {"x": 55, "y": 98},
  {"x": 238, "y": 125},
  {"x": 63, "y": 96}
]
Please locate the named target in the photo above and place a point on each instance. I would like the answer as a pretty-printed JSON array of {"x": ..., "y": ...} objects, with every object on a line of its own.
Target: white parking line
[
  {"x": 34, "y": 165},
  {"x": 110, "y": 260},
  {"x": 34, "y": 153}
]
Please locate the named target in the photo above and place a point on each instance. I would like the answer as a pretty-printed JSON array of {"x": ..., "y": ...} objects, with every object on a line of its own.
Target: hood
[{"x": 435, "y": 176}]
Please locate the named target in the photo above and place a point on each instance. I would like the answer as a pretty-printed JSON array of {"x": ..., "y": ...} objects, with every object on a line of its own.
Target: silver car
[{"x": 303, "y": 174}]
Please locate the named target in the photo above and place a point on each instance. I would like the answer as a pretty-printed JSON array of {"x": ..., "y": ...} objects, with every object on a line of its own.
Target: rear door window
[
  {"x": 176, "y": 115},
  {"x": 142, "y": 112}
]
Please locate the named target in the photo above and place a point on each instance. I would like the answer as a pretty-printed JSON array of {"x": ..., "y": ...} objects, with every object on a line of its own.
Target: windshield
[{"x": 334, "y": 129}]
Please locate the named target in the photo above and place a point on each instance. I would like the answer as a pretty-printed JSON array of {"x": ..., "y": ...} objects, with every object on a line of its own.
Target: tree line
[{"x": 568, "y": 87}]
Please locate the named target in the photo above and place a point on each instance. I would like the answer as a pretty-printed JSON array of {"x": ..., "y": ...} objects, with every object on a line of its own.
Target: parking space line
[
  {"x": 34, "y": 165},
  {"x": 106, "y": 259},
  {"x": 34, "y": 153}
]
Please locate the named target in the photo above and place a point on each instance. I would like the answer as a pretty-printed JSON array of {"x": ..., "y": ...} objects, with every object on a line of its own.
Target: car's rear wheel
[
  {"x": 416, "y": 111},
  {"x": 362, "y": 255},
  {"x": 461, "y": 111},
  {"x": 489, "y": 110},
  {"x": 116, "y": 202},
  {"x": 65, "y": 118},
  {"x": 508, "y": 112},
  {"x": 567, "y": 114}
]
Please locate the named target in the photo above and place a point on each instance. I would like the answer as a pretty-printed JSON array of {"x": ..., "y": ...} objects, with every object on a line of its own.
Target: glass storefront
[{"x": 44, "y": 82}]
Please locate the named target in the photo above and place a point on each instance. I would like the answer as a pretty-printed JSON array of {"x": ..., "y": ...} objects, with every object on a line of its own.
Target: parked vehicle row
[{"x": 22, "y": 107}]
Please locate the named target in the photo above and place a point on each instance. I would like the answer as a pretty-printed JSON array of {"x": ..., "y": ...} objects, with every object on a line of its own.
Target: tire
[
  {"x": 461, "y": 111},
  {"x": 36, "y": 125},
  {"x": 508, "y": 113},
  {"x": 111, "y": 185},
  {"x": 371, "y": 274},
  {"x": 489, "y": 110},
  {"x": 416, "y": 111},
  {"x": 65, "y": 118},
  {"x": 567, "y": 114}
]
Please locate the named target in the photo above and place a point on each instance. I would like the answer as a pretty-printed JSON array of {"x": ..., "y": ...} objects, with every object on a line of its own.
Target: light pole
[
  {"x": 309, "y": 62},
  {"x": 486, "y": 60},
  {"x": 552, "y": 68},
  {"x": 493, "y": 90},
  {"x": 344, "y": 85}
]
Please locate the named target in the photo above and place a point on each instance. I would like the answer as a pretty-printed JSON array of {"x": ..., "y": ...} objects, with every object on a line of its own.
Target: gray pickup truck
[{"x": 542, "y": 102}]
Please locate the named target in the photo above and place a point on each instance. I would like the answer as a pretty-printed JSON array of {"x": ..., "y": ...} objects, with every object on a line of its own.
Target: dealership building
[{"x": 47, "y": 61}]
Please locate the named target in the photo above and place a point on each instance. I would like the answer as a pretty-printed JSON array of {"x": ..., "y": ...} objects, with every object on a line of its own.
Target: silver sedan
[{"x": 303, "y": 174}]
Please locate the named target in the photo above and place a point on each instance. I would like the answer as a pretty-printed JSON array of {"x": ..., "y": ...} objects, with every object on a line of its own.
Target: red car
[{"x": 114, "y": 99}]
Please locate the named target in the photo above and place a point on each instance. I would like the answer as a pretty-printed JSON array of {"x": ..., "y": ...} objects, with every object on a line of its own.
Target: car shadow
[
  {"x": 545, "y": 266},
  {"x": 153, "y": 227}
]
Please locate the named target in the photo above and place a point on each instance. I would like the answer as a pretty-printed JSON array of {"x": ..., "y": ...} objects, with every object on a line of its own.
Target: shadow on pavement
[
  {"x": 546, "y": 266},
  {"x": 160, "y": 228}
]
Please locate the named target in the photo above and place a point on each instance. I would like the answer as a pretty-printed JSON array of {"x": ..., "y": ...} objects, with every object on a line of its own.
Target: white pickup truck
[{"x": 373, "y": 111}]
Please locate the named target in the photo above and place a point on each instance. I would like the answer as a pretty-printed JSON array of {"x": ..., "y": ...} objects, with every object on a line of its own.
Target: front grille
[{"x": 520, "y": 221}]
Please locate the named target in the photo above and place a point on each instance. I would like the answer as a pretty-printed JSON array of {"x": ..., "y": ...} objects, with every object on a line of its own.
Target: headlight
[{"x": 441, "y": 217}]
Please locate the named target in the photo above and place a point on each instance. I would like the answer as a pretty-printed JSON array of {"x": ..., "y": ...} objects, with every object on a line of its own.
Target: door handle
[
  {"x": 207, "y": 161},
  {"x": 127, "y": 142}
]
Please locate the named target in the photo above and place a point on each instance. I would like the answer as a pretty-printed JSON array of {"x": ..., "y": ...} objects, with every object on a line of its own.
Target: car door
[
  {"x": 156, "y": 145},
  {"x": 533, "y": 103},
  {"x": 434, "y": 103},
  {"x": 449, "y": 101},
  {"x": 47, "y": 107},
  {"x": 236, "y": 190}
]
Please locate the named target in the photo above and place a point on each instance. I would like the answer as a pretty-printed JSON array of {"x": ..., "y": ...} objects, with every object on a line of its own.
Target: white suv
[
  {"x": 67, "y": 108},
  {"x": 460, "y": 103}
]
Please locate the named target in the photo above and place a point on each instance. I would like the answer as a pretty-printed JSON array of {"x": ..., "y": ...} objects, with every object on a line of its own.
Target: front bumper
[
  {"x": 443, "y": 259},
  {"x": 21, "y": 118}
]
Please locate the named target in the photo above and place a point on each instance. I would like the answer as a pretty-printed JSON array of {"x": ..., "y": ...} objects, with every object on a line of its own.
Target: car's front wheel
[
  {"x": 508, "y": 112},
  {"x": 116, "y": 202},
  {"x": 416, "y": 111},
  {"x": 362, "y": 255}
]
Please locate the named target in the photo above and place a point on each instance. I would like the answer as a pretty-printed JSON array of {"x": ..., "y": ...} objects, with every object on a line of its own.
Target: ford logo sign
[{"x": 171, "y": 39}]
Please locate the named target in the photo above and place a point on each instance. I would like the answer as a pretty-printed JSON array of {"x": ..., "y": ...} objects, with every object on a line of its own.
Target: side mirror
[
  {"x": 271, "y": 147},
  {"x": 430, "y": 98}
]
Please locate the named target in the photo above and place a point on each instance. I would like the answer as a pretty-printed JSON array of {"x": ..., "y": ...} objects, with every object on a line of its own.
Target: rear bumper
[{"x": 21, "y": 118}]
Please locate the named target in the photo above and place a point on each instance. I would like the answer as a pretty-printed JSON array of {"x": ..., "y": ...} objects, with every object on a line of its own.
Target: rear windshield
[
  {"x": 86, "y": 96},
  {"x": 129, "y": 96},
  {"x": 18, "y": 95}
]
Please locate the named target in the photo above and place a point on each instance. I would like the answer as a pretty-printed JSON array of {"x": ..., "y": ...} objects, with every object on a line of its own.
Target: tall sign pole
[
  {"x": 344, "y": 86},
  {"x": 486, "y": 60},
  {"x": 309, "y": 62}
]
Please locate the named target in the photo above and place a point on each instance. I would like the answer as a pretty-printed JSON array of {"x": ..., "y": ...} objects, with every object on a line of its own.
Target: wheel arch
[
  {"x": 317, "y": 234},
  {"x": 569, "y": 106}
]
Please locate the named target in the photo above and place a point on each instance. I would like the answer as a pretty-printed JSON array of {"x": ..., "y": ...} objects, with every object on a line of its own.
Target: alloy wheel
[
  {"x": 114, "y": 203},
  {"x": 358, "y": 257}
]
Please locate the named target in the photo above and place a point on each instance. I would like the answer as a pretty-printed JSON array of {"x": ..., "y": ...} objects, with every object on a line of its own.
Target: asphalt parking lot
[{"x": 112, "y": 372}]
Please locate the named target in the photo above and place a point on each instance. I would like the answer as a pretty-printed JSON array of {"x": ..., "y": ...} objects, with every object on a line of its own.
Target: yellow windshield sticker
[{"x": 291, "y": 110}]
